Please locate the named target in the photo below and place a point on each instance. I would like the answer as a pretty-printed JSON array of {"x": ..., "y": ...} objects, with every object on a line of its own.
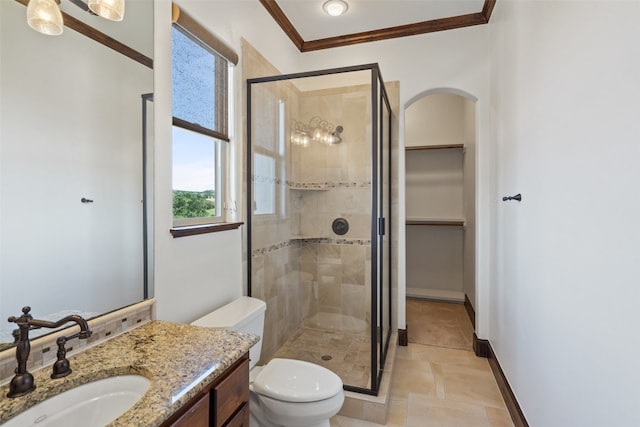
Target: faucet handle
[
  {"x": 24, "y": 318},
  {"x": 62, "y": 367}
]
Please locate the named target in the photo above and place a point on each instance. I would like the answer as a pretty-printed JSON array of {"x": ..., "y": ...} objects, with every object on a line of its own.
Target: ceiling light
[
  {"x": 335, "y": 7},
  {"x": 45, "y": 17},
  {"x": 112, "y": 10}
]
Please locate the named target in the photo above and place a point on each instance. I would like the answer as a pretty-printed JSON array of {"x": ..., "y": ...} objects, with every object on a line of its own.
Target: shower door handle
[{"x": 381, "y": 227}]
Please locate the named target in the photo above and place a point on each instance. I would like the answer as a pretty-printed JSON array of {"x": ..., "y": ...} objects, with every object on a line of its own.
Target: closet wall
[{"x": 440, "y": 197}]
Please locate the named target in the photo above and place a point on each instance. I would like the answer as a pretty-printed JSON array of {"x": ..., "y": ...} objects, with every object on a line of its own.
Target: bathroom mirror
[{"x": 72, "y": 211}]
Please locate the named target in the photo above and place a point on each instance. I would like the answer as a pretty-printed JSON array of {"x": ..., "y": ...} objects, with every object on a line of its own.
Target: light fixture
[
  {"x": 112, "y": 10},
  {"x": 335, "y": 7},
  {"x": 45, "y": 16},
  {"x": 317, "y": 130}
]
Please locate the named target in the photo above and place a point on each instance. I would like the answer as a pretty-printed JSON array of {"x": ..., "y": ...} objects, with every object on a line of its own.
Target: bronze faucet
[{"x": 22, "y": 383}]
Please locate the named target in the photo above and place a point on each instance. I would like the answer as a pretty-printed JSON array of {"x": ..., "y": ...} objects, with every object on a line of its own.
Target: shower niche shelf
[{"x": 307, "y": 237}]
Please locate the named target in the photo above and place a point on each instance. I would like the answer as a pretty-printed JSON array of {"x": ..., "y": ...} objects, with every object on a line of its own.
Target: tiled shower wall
[
  {"x": 275, "y": 280},
  {"x": 302, "y": 277},
  {"x": 340, "y": 276},
  {"x": 299, "y": 266}
]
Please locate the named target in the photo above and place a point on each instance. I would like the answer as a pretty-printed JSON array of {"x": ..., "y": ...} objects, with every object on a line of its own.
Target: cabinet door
[
  {"x": 231, "y": 393},
  {"x": 196, "y": 416},
  {"x": 241, "y": 419}
]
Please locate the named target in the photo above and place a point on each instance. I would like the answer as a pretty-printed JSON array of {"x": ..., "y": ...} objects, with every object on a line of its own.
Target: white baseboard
[{"x": 436, "y": 294}]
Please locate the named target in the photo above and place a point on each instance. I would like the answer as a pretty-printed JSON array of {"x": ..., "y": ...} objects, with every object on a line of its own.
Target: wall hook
[
  {"x": 517, "y": 197},
  {"x": 85, "y": 200}
]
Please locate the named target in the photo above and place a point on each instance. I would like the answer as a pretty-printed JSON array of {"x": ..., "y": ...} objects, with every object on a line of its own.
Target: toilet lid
[{"x": 296, "y": 381}]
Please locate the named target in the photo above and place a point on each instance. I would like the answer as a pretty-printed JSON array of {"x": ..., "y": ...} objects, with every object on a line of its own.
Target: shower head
[{"x": 335, "y": 135}]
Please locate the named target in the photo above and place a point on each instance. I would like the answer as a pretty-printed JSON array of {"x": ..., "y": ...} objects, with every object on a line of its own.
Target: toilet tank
[{"x": 246, "y": 314}]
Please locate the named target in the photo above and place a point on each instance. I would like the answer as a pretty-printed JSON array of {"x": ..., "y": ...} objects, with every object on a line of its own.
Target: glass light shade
[
  {"x": 335, "y": 7},
  {"x": 45, "y": 17},
  {"x": 108, "y": 9}
]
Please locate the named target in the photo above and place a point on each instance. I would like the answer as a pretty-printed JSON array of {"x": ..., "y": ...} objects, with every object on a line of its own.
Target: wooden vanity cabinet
[
  {"x": 222, "y": 403},
  {"x": 230, "y": 396},
  {"x": 197, "y": 415}
]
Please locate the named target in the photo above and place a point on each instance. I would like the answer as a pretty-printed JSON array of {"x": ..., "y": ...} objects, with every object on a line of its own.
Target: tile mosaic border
[
  {"x": 296, "y": 185},
  {"x": 44, "y": 349},
  {"x": 306, "y": 241},
  {"x": 326, "y": 185}
]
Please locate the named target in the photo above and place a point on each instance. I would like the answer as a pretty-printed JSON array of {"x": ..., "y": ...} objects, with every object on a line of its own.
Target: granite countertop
[{"x": 180, "y": 360}]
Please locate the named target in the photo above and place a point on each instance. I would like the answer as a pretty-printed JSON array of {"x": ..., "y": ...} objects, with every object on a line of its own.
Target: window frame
[
  {"x": 279, "y": 157},
  {"x": 219, "y": 190},
  {"x": 219, "y": 136},
  {"x": 273, "y": 185}
]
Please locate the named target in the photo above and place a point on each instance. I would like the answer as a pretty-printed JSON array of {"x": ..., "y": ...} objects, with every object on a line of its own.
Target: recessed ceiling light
[{"x": 335, "y": 7}]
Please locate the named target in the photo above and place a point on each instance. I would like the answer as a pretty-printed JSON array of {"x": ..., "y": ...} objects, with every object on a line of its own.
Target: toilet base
[
  {"x": 258, "y": 418},
  {"x": 254, "y": 422}
]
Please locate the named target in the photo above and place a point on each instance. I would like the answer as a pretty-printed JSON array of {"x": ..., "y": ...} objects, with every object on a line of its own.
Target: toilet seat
[{"x": 290, "y": 380}]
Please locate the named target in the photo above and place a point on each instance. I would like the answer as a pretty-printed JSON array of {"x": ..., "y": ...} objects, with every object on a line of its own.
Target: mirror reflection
[{"x": 71, "y": 165}]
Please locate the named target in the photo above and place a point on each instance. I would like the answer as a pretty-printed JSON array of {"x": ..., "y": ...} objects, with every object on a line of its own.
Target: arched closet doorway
[{"x": 440, "y": 179}]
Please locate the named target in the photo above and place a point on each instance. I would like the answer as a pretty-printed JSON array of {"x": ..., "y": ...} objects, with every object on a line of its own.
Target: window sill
[{"x": 194, "y": 230}]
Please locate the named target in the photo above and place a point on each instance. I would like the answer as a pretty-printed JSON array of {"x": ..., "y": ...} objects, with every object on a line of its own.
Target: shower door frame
[{"x": 379, "y": 223}]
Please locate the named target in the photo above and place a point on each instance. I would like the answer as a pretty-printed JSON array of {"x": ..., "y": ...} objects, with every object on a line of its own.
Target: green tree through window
[{"x": 191, "y": 204}]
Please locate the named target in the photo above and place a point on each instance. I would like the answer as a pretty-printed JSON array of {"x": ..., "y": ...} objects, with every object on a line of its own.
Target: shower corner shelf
[
  {"x": 305, "y": 236},
  {"x": 446, "y": 222},
  {"x": 300, "y": 237}
]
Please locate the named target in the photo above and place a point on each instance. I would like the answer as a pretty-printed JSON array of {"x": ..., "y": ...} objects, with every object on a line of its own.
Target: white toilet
[{"x": 284, "y": 392}]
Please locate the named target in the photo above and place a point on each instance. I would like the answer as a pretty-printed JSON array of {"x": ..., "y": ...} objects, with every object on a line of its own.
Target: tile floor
[
  {"x": 436, "y": 386},
  {"x": 439, "y": 323}
]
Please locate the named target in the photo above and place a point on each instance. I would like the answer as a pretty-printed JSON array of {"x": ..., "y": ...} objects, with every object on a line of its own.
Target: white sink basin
[{"x": 92, "y": 404}]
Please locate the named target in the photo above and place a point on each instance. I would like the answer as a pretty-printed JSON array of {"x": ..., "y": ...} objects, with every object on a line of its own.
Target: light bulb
[
  {"x": 108, "y": 9},
  {"x": 45, "y": 17},
  {"x": 335, "y": 7}
]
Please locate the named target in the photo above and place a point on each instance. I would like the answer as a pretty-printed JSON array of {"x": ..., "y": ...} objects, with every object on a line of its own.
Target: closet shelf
[
  {"x": 446, "y": 222},
  {"x": 433, "y": 147}
]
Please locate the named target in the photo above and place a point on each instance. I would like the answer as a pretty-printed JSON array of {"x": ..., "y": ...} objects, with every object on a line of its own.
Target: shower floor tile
[{"x": 346, "y": 354}]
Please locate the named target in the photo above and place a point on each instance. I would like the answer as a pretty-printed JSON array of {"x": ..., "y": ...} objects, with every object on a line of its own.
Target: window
[
  {"x": 200, "y": 107},
  {"x": 264, "y": 187},
  {"x": 269, "y": 173},
  {"x": 197, "y": 167}
]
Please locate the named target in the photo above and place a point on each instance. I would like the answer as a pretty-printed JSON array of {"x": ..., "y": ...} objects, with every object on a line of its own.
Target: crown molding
[{"x": 434, "y": 25}]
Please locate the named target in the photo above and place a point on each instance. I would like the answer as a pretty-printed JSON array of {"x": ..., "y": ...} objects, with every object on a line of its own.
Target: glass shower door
[
  {"x": 318, "y": 219},
  {"x": 383, "y": 208}
]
